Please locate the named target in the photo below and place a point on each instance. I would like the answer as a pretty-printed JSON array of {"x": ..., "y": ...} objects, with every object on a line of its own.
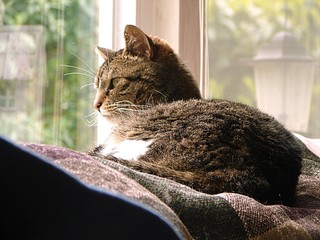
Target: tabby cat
[{"x": 163, "y": 127}]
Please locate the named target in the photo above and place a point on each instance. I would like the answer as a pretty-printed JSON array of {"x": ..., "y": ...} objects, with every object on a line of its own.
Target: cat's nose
[
  {"x": 97, "y": 105},
  {"x": 99, "y": 99}
]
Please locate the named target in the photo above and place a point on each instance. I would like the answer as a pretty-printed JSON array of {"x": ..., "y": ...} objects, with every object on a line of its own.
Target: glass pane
[
  {"x": 7, "y": 95},
  {"x": 238, "y": 31},
  {"x": 47, "y": 50}
]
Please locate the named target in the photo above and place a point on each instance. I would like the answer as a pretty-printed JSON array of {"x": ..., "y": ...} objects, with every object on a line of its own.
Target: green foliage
[
  {"x": 70, "y": 37},
  {"x": 237, "y": 28},
  {"x": 216, "y": 88}
]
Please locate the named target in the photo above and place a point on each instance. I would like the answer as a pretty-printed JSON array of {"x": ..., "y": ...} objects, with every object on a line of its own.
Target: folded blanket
[
  {"x": 41, "y": 200},
  {"x": 203, "y": 216}
]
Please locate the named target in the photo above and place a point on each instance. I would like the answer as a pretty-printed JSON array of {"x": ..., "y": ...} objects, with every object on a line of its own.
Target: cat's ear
[
  {"x": 104, "y": 53},
  {"x": 137, "y": 42}
]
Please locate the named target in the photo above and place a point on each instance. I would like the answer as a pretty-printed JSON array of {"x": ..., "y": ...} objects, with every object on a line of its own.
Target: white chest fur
[{"x": 127, "y": 149}]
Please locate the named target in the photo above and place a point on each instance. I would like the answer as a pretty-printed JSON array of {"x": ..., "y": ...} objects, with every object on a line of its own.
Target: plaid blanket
[{"x": 197, "y": 215}]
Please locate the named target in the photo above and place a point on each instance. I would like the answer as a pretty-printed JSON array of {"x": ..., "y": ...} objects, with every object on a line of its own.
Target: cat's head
[{"x": 144, "y": 73}]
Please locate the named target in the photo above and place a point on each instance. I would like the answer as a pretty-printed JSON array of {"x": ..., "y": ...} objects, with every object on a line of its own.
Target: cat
[{"x": 162, "y": 126}]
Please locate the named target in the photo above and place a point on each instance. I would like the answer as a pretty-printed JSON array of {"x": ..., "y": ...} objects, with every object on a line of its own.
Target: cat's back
[
  {"x": 209, "y": 129},
  {"x": 218, "y": 116}
]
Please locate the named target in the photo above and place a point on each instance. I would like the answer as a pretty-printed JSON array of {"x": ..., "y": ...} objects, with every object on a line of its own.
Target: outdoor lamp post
[{"x": 284, "y": 75}]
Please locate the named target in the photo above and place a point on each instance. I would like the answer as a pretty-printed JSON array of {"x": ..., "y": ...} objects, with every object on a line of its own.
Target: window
[
  {"x": 47, "y": 63},
  {"x": 71, "y": 30},
  {"x": 21, "y": 82},
  {"x": 7, "y": 95},
  {"x": 240, "y": 31},
  {"x": 47, "y": 59}
]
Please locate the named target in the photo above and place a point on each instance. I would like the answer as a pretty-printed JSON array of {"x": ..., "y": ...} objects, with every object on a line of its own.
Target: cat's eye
[{"x": 115, "y": 82}]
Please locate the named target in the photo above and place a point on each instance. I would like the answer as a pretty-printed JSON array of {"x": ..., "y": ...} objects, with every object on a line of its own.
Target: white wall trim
[{"x": 176, "y": 21}]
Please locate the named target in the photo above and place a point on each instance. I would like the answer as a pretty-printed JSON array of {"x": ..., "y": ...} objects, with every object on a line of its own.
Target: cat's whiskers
[
  {"x": 111, "y": 109},
  {"x": 151, "y": 101},
  {"x": 87, "y": 65},
  {"x": 78, "y": 73},
  {"x": 93, "y": 113},
  {"x": 86, "y": 85},
  {"x": 134, "y": 107},
  {"x": 85, "y": 72},
  {"x": 121, "y": 107},
  {"x": 119, "y": 114},
  {"x": 129, "y": 105},
  {"x": 92, "y": 119},
  {"x": 79, "y": 68},
  {"x": 124, "y": 101},
  {"x": 164, "y": 100},
  {"x": 129, "y": 110},
  {"x": 157, "y": 91}
]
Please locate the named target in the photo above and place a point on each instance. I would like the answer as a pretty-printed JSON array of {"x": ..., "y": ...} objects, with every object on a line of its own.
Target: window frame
[{"x": 176, "y": 21}]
